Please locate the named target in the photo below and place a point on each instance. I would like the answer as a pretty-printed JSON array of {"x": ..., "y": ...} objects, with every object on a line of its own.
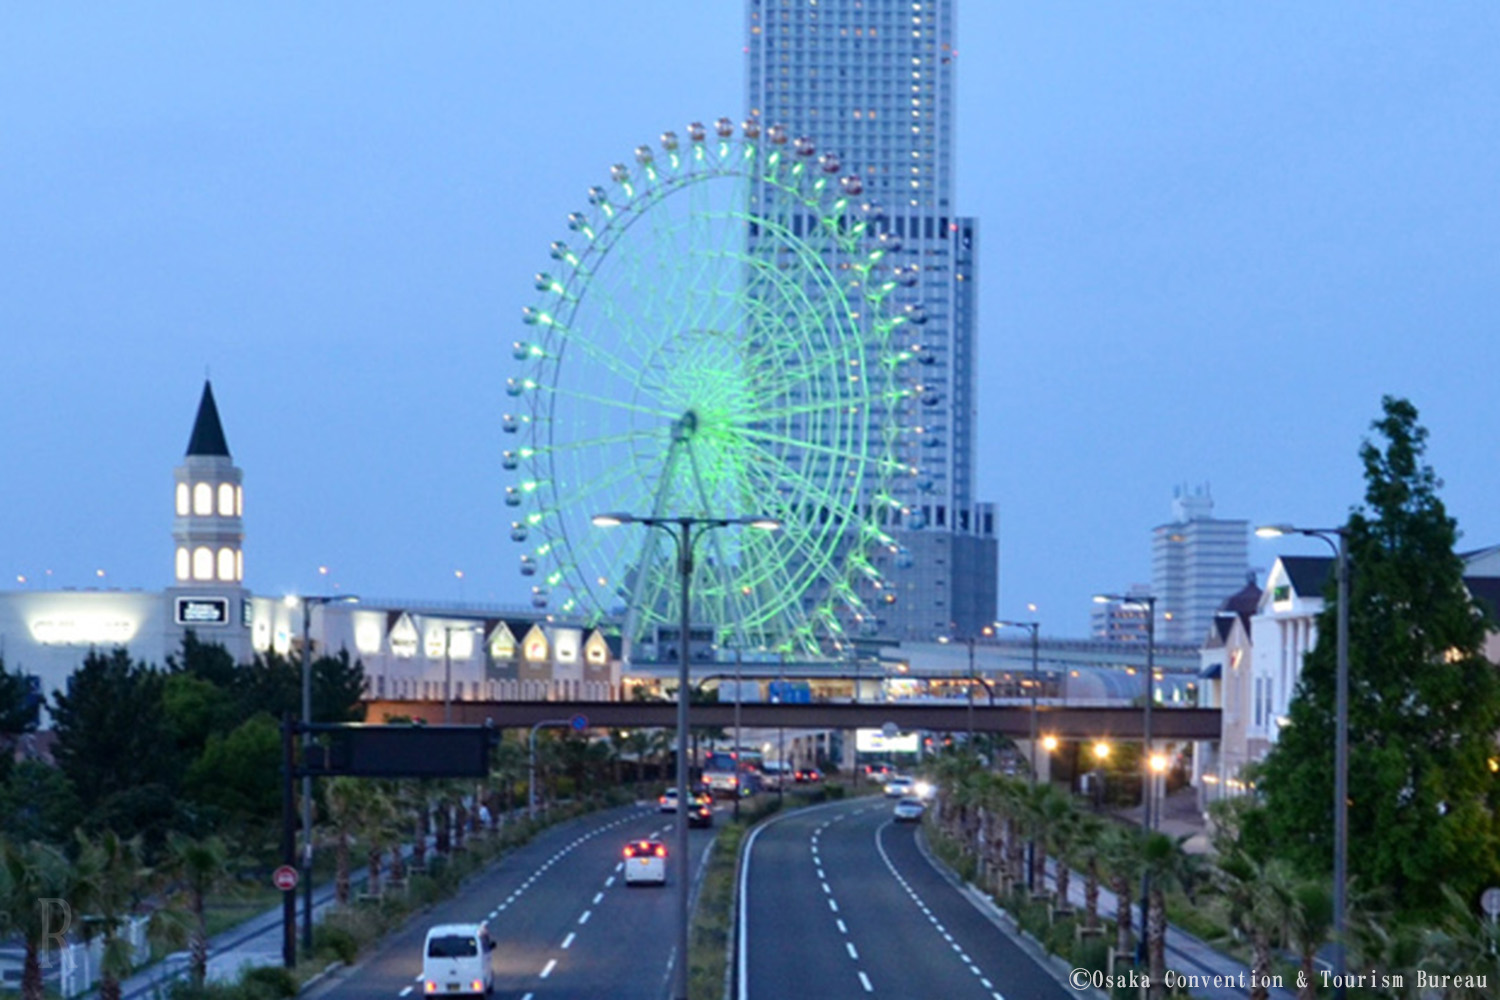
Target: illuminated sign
[
  {"x": 875, "y": 741},
  {"x": 203, "y": 611},
  {"x": 83, "y": 631}
]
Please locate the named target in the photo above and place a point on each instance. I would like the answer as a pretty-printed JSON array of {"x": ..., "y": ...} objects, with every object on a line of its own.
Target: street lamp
[
  {"x": 681, "y": 530},
  {"x": 1035, "y": 628},
  {"x": 1340, "y": 733},
  {"x": 292, "y": 601},
  {"x": 1148, "y": 601}
]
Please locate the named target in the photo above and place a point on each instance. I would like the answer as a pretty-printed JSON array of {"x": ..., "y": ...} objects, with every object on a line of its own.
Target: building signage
[
  {"x": 202, "y": 611},
  {"x": 876, "y": 741}
]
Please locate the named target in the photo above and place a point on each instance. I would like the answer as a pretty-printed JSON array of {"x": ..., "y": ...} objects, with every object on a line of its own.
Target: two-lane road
[
  {"x": 565, "y": 923},
  {"x": 839, "y": 901}
]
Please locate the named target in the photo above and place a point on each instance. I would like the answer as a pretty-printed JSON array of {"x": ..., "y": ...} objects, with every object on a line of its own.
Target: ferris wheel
[{"x": 714, "y": 337}]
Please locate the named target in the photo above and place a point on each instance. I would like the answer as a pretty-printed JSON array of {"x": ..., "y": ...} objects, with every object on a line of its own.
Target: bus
[{"x": 727, "y": 773}]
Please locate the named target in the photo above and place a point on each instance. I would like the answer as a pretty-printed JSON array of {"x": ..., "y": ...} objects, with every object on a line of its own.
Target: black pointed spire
[{"x": 208, "y": 433}]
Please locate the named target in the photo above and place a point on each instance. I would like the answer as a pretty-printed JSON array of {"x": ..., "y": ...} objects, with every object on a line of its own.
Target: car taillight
[
  {"x": 661, "y": 851},
  {"x": 733, "y": 782},
  {"x": 477, "y": 986},
  {"x": 630, "y": 852},
  {"x": 429, "y": 987}
]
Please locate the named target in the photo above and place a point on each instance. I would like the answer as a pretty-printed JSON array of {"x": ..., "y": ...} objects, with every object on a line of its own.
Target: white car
[
  {"x": 668, "y": 801},
  {"x": 899, "y": 787},
  {"x": 645, "y": 862},
  {"x": 909, "y": 810},
  {"x": 456, "y": 961}
]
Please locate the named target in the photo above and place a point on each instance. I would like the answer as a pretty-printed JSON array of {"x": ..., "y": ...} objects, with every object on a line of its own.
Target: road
[
  {"x": 565, "y": 924},
  {"x": 841, "y": 902}
]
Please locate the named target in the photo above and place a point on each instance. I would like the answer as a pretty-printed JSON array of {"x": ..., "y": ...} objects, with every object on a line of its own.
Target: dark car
[
  {"x": 807, "y": 775},
  {"x": 700, "y": 814}
]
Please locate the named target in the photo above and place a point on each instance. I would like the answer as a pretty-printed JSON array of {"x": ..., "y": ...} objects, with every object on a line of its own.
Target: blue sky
[{"x": 1213, "y": 235}]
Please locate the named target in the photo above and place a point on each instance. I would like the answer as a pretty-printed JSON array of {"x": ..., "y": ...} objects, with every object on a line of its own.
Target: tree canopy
[{"x": 1424, "y": 704}]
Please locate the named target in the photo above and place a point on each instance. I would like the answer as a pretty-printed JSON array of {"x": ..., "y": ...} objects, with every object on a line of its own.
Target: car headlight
[{"x": 922, "y": 789}]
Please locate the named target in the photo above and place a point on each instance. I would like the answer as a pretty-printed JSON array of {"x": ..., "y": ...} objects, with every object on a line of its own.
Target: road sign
[
  {"x": 579, "y": 722},
  {"x": 890, "y": 730},
  {"x": 284, "y": 878},
  {"x": 1490, "y": 900}
]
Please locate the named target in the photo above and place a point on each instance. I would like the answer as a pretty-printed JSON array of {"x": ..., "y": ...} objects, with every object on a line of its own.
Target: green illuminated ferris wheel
[{"x": 712, "y": 339}]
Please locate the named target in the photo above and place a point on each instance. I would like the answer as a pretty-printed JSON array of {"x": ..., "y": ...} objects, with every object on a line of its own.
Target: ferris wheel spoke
[
  {"x": 602, "y": 441},
  {"x": 616, "y": 404}
]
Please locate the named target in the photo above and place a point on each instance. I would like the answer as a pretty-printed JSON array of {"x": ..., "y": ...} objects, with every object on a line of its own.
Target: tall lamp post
[
  {"x": 1340, "y": 734},
  {"x": 307, "y": 603},
  {"x": 681, "y": 530},
  {"x": 1034, "y": 628},
  {"x": 1148, "y": 768}
]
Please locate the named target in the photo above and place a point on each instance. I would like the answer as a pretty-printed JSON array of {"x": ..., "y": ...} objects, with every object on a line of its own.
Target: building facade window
[
  {"x": 226, "y": 500},
  {"x": 226, "y": 565},
  {"x": 203, "y": 563},
  {"x": 182, "y": 499},
  {"x": 184, "y": 562},
  {"x": 203, "y": 499}
]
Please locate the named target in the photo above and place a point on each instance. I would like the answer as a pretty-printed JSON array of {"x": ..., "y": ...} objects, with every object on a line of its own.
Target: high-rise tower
[
  {"x": 873, "y": 82},
  {"x": 1197, "y": 561}
]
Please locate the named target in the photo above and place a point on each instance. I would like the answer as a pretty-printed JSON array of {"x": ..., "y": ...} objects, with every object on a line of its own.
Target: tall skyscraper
[
  {"x": 873, "y": 82},
  {"x": 1197, "y": 561}
]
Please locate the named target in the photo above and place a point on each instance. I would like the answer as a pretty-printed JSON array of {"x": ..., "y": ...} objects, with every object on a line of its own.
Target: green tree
[
  {"x": 196, "y": 869},
  {"x": 1424, "y": 705},
  {"x": 338, "y": 688},
  {"x": 38, "y": 803},
  {"x": 114, "y": 744},
  {"x": 240, "y": 773},
  {"x": 20, "y": 709},
  {"x": 114, "y": 878},
  {"x": 36, "y": 881}
]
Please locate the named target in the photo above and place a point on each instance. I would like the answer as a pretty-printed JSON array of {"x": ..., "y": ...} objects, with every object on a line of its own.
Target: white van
[{"x": 456, "y": 960}]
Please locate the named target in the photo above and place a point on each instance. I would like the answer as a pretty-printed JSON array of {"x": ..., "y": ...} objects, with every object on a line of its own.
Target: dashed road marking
[
  {"x": 548, "y": 970},
  {"x": 568, "y": 941},
  {"x": 865, "y": 981},
  {"x": 585, "y": 918}
]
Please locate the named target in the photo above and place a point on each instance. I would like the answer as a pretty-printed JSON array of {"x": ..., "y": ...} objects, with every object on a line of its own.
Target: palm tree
[
  {"x": 1060, "y": 834},
  {"x": 1168, "y": 867},
  {"x": 1089, "y": 849},
  {"x": 378, "y": 825},
  {"x": 1307, "y": 914},
  {"x": 1243, "y": 882},
  {"x": 345, "y": 803},
  {"x": 198, "y": 867},
  {"x": 33, "y": 877},
  {"x": 1123, "y": 853},
  {"x": 1466, "y": 942},
  {"x": 114, "y": 876}
]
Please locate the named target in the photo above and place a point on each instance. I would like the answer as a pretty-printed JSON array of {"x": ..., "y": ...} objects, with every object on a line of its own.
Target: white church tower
[{"x": 208, "y": 535}]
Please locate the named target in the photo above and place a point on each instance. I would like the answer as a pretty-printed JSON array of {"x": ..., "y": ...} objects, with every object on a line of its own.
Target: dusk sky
[{"x": 1213, "y": 235}]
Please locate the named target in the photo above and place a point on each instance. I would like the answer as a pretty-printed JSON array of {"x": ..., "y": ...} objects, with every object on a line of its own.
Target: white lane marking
[
  {"x": 585, "y": 918},
  {"x": 609, "y": 882},
  {"x": 529, "y": 996},
  {"x": 842, "y": 928},
  {"x": 568, "y": 941},
  {"x": 982, "y": 981},
  {"x": 407, "y": 990},
  {"x": 548, "y": 970},
  {"x": 852, "y": 953},
  {"x": 598, "y": 896},
  {"x": 865, "y": 981},
  {"x": 833, "y": 906},
  {"x": 826, "y": 889}
]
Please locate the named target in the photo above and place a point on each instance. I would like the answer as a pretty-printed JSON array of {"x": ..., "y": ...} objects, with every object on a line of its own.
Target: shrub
[
  {"x": 335, "y": 942},
  {"x": 273, "y": 981}
]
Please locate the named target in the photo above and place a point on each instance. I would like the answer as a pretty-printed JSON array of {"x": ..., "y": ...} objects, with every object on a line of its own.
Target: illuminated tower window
[
  {"x": 183, "y": 561},
  {"x": 182, "y": 499},
  {"x": 203, "y": 499},
  {"x": 203, "y": 563},
  {"x": 226, "y": 500},
  {"x": 226, "y": 564}
]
